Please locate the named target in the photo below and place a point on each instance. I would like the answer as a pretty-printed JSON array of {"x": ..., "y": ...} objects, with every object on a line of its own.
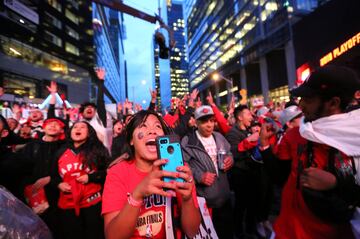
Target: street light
[{"x": 217, "y": 76}]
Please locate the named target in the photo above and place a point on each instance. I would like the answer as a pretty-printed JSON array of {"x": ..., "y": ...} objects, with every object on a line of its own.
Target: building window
[
  {"x": 53, "y": 39},
  {"x": 72, "y": 17},
  {"x": 71, "y": 32},
  {"x": 73, "y": 3},
  {"x": 52, "y": 20},
  {"x": 55, "y": 4},
  {"x": 71, "y": 49}
]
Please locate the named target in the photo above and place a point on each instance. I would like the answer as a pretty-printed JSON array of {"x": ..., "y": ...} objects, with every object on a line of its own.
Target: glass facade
[
  {"x": 110, "y": 51},
  {"x": 178, "y": 58},
  {"x": 46, "y": 45},
  {"x": 224, "y": 31}
]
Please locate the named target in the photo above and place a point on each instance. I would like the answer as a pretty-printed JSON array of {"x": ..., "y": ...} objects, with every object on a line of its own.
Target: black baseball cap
[{"x": 329, "y": 81}]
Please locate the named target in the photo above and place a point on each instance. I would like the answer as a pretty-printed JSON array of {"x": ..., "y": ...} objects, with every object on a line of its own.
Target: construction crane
[{"x": 159, "y": 37}]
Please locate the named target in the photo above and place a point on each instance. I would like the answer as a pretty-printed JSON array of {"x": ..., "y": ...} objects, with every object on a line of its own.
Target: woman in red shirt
[
  {"x": 135, "y": 204},
  {"x": 80, "y": 173}
]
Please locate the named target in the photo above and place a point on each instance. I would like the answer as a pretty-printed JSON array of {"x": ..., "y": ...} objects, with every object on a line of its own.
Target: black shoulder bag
[{"x": 336, "y": 205}]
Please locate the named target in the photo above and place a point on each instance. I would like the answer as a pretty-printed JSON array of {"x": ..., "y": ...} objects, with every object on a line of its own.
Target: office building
[
  {"x": 171, "y": 75},
  {"x": 40, "y": 42},
  {"x": 109, "y": 34},
  {"x": 321, "y": 39},
  {"x": 248, "y": 42}
]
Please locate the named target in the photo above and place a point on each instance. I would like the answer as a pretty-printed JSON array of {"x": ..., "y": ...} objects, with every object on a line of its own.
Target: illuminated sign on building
[
  {"x": 341, "y": 49},
  {"x": 302, "y": 73}
]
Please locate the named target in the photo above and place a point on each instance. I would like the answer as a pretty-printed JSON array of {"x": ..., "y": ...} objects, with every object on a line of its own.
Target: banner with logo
[{"x": 206, "y": 230}]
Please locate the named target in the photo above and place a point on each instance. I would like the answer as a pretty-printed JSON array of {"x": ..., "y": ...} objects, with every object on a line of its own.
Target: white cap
[
  {"x": 262, "y": 111},
  {"x": 202, "y": 111},
  {"x": 288, "y": 114}
]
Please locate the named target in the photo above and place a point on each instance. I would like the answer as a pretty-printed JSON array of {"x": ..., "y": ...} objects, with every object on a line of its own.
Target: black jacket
[
  {"x": 41, "y": 155},
  {"x": 234, "y": 137}
]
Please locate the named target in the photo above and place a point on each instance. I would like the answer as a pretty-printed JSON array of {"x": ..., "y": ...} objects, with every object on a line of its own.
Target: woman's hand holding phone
[
  {"x": 153, "y": 183},
  {"x": 185, "y": 188}
]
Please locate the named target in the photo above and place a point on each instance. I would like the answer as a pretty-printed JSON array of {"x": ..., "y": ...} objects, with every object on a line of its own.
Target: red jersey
[
  {"x": 295, "y": 219},
  {"x": 70, "y": 167}
]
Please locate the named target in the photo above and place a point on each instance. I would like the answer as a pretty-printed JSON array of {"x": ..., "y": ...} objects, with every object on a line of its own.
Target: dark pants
[
  {"x": 51, "y": 218},
  {"x": 247, "y": 200},
  {"x": 88, "y": 225},
  {"x": 223, "y": 221}
]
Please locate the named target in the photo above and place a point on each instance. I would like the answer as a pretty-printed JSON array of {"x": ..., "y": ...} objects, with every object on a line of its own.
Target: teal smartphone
[{"x": 168, "y": 147}]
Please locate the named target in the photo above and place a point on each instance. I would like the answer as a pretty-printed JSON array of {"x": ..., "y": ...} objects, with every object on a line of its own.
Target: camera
[{"x": 163, "y": 141}]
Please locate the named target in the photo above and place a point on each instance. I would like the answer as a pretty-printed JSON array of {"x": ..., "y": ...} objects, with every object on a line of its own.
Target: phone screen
[{"x": 168, "y": 147}]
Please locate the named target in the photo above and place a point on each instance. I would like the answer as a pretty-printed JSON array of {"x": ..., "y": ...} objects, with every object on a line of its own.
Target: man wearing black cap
[{"x": 321, "y": 190}]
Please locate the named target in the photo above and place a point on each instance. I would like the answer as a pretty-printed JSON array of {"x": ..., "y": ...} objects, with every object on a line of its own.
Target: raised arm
[
  {"x": 100, "y": 73},
  {"x": 153, "y": 94},
  {"x": 222, "y": 122},
  {"x": 53, "y": 90}
]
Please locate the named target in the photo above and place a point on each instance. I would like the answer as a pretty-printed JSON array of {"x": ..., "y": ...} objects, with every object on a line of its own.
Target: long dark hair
[
  {"x": 136, "y": 120},
  {"x": 93, "y": 150}
]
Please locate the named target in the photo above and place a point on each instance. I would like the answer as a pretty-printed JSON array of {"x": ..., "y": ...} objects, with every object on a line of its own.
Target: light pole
[{"x": 216, "y": 76}]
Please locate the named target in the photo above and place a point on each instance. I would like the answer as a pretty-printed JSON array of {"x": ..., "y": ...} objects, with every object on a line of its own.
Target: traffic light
[{"x": 163, "y": 50}]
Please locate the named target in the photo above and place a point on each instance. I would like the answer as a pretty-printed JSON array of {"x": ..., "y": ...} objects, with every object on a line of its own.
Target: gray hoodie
[{"x": 200, "y": 162}]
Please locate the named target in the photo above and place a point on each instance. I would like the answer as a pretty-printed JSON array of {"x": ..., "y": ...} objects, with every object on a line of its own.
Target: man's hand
[
  {"x": 265, "y": 134},
  {"x": 1, "y": 91},
  {"x": 228, "y": 163},
  {"x": 194, "y": 94},
  {"x": 254, "y": 137},
  {"x": 100, "y": 73},
  {"x": 317, "y": 179},
  {"x": 138, "y": 107},
  {"x": 210, "y": 98},
  {"x": 198, "y": 103},
  {"x": 128, "y": 104},
  {"x": 208, "y": 178},
  {"x": 153, "y": 94},
  {"x": 232, "y": 105},
  {"x": 40, "y": 183},
  {"x": 192, "y": 98},
  {"x": 52, "y": 88}
]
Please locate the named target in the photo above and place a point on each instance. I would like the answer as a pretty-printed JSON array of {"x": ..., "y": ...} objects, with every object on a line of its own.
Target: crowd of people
[{"x": 266, "y": 172}]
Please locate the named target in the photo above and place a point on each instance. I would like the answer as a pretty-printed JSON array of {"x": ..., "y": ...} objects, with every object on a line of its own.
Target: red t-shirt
[
  {"x": 287, "y": 148},
  {"x": 295, "y": 219},
  {"x": 70, "y": 167},
  {"x": 123, "y": 178}
]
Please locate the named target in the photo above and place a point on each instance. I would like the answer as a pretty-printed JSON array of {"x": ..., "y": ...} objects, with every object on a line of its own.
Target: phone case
[{"x": 168, "y": 147}]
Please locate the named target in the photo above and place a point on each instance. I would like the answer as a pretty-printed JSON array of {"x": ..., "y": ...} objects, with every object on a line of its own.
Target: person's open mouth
[{"x": 151, "y": 145}]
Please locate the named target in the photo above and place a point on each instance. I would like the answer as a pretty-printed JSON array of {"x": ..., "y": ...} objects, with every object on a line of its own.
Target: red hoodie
[{"x": 82, "y": 195}]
